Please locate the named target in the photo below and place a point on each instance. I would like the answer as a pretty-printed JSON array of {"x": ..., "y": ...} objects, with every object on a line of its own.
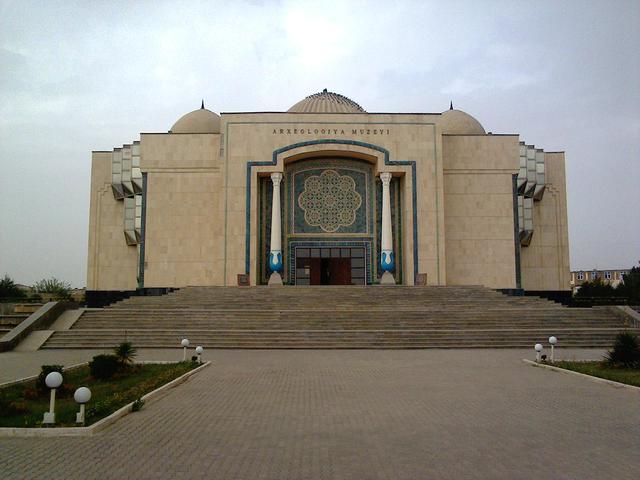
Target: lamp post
[
  {"x": 185, "y": 344},
  {"x": 538, "y": 349},
  {"x": 199, "y": 351},
  {"x": 82, "y": 395},
  {"x": 552, "y": 341},
  {"x": 53, "y": 380}
]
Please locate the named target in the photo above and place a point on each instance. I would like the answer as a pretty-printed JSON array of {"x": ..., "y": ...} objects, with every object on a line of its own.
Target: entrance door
[
  {"x": 333, "y": 271},
  {"x": 330, "y": 266}
]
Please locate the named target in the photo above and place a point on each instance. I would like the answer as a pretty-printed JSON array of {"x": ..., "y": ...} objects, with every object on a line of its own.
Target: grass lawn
[
  {"x": 630, "y": 376},
  {"x": 107, "y": 396}
]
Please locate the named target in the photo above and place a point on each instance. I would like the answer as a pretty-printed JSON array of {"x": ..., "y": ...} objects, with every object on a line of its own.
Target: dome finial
[
  {"x": 202, "y": 106},
  {"x": 324, "y": 91},
  {"x": 451, "y": 105}
]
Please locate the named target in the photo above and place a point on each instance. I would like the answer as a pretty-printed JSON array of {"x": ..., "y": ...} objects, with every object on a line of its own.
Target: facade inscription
[{"x": 332, "y": 131}]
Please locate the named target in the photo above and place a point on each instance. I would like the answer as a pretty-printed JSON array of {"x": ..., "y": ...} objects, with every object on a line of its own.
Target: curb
[
  {"x": 584, "y": 375},
  {"x": 16, "y": 432}
]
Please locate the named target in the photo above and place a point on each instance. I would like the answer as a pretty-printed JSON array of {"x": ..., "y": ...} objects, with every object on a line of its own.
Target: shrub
[
  {"x": 625, "y": 352},
  {"x": 125, "y": 353},
  {"x": 44, "y": 371},
  {"x": 103, "y": 367},
  {"x": 53, "y": 286}
]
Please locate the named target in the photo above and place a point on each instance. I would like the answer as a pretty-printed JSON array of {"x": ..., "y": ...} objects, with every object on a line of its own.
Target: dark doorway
[
  {"x": 330, "y": 266},
  {"x": 334, "y": 271}
]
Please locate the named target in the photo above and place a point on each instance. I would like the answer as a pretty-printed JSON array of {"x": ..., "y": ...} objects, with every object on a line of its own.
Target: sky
[{"x": 83, "y": 76}]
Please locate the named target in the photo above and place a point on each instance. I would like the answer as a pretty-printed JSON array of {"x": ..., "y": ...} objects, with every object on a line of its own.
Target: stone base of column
[
  {"x": 275, "y": 280},
  {"x": 387, "y": 279}
]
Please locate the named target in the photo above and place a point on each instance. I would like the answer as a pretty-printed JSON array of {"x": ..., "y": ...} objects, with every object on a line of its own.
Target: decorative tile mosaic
[
  {"x": 329, "y": 201},
  {"x": 329, "y": 196}
]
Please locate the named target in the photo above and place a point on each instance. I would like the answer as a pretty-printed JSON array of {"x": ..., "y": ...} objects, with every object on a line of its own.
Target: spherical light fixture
[
  {"x": 53, "y": 380},
  {"x": 82, "y": 395},
  {"x": 199, "y": 351},
  {"x": 538, "y": 348},
  {"x": 553, "y": 341},
  {"x": 185, "y": 344}
]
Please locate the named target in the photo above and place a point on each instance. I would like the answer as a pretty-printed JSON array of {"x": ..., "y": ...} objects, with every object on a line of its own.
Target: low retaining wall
[{"x": 38, "y": 320}]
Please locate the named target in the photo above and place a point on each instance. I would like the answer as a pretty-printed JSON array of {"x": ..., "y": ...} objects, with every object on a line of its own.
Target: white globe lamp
[
  {"x": 199, "y": 351},
  {"x": 553, "y": 341},
  {"x": 53, "y": 380},
  {"x": 538, "y": 348},
  {"x": 82, "y": 395},
  {"x": 185, "y": 344}
]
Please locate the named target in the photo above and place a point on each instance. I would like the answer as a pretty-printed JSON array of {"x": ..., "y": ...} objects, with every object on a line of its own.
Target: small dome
[
  {"x": 198, "y": 121},
  {"x": 461, "y": 123},
  {"x": 327, "y": 102}
]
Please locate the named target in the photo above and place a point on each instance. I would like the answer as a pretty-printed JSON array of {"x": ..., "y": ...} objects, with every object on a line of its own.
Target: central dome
[{"x": 326, "y": 102}]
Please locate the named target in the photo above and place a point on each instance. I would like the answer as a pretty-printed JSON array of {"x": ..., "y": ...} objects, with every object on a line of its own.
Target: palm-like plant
[
  {"x": 125, "y": 352},
  {"x": 625, "y": 352}
]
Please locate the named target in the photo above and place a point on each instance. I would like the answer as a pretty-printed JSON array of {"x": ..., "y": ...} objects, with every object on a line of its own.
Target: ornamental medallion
[{"x": 329, "y": 200}]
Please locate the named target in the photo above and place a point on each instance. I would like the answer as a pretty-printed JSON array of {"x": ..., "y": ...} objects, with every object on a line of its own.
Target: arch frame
[{"x": 375, "y": 154}]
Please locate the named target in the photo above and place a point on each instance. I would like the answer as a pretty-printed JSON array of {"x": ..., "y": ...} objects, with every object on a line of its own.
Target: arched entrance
[{"x": 331, "y": 222}]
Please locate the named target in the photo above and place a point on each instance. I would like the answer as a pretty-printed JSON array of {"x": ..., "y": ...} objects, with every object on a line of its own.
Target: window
[
  {"x": 622, "y": 274},
  {"x": 607, "y": 275},
  {"x": 594, "y": 275},
  {"x": 580, "y": 276}
]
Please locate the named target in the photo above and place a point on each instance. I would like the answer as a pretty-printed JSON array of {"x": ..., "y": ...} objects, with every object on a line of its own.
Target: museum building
[{"x": 327, "y": 193}]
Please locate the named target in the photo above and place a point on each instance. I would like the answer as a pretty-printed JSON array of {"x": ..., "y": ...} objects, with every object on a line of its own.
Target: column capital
[
  {"x": 386, "y": 178},
  {"x": 276, "y": 178}
]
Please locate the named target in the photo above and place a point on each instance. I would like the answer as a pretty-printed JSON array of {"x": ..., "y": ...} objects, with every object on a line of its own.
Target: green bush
[
  {"x": 625, "y": 352},
  {"x": 53, "y": 286},
  {"x": 103, "y": 367},
  {"x": 597, "y": 288},
  {"x": 44, "y": 371}
]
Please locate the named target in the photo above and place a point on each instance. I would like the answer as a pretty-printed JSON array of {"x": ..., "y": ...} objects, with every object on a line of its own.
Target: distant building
[{"x": 609, "y": 277}]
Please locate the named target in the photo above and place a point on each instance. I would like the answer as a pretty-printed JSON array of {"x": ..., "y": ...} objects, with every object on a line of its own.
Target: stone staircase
[
  {"x": 9, "y": 321},
  {"x": 339, "y": 317}
]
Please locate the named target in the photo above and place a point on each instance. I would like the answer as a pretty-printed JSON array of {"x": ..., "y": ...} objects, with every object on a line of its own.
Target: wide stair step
[{"x": 339, "y": 317}]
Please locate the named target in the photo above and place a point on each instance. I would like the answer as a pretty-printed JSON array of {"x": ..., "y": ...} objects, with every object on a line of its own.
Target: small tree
[
  {"x": 8, "y": 289},
  {"x": 125, "y": 353},
  {"x": 630, "y": 285},
  {"x": 53, "y": 286}
]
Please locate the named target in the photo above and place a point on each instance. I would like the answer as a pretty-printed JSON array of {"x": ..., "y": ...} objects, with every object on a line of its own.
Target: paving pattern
[{"x": 321, "y": 414}]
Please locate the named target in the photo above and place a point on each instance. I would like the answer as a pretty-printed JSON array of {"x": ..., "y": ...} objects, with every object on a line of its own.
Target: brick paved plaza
[{"x": 423, "y": 414}]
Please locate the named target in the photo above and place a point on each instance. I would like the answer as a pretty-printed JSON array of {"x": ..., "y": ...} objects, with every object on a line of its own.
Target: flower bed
[{"x": 23, "y": 404}]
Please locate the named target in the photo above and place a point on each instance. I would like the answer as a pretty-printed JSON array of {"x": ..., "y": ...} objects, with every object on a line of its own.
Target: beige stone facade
[{"x": 192, "y": 206}]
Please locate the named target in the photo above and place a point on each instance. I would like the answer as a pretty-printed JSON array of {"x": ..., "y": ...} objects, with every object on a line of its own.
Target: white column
[
  {"x": 275, "y": 254},
  {"x": 387, "y": 261}
]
